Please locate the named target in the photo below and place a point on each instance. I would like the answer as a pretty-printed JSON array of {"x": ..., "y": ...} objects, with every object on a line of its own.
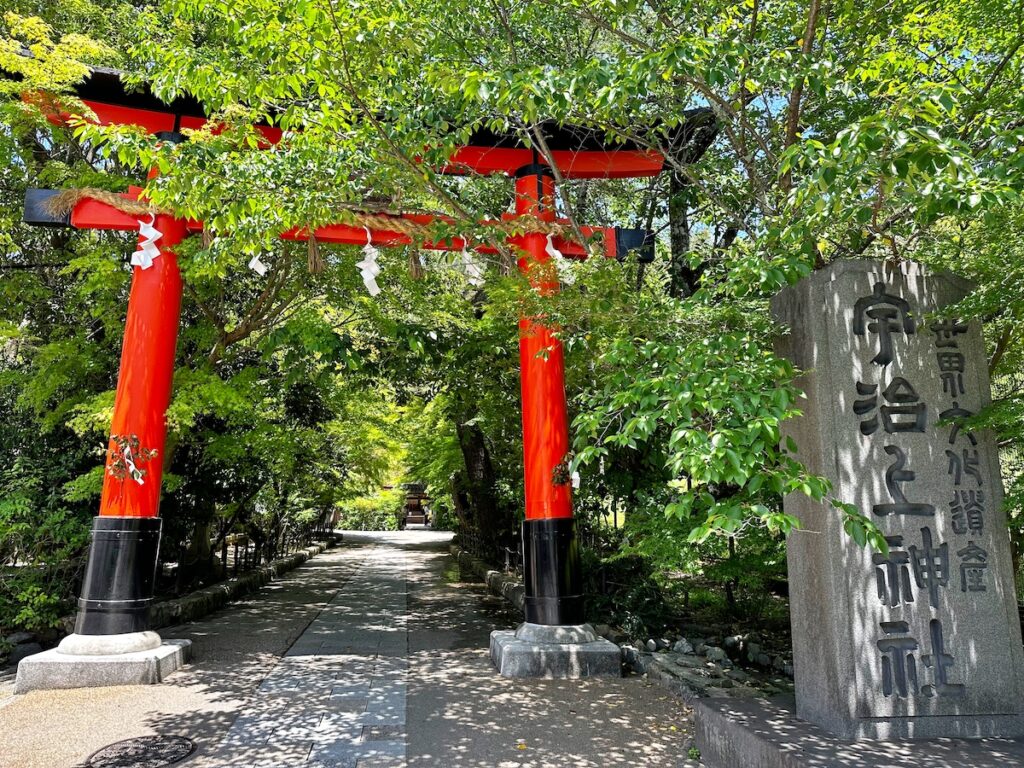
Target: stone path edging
[
  {"x": 660, "y": 669},
  {"x": 499, "y": 583},
  {"x": 197, "y": 604}
]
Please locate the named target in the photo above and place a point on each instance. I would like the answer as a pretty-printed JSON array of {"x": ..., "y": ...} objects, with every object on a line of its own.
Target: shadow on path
[
  {"x": 461, "y": 713},
  {"x": 372, "y": 654}
]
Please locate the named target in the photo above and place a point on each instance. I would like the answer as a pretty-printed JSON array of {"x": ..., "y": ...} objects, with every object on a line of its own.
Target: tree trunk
[
  {"x": 682, "y": 278},
  {"x": 460, "y": 502},
  {"x": 197, "y": 564},
  {"x": 495, "y": 522},
  {"x": 733, "y": 583}
]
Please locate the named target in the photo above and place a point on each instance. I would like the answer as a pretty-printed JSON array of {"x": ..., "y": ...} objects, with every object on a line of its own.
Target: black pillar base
[
  {"x": 551, "y": 565},
  {"x": 118, "y": 587}
]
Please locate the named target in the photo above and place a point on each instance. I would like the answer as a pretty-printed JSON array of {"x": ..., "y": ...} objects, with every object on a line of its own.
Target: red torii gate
[{"x": 118, "y": 586}]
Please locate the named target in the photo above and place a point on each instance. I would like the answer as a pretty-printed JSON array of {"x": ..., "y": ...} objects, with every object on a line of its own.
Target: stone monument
[{"x": 923, "y": 641}]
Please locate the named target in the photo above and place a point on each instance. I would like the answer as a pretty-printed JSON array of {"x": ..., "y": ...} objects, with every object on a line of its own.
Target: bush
[
  {"x": 373, "y": 512},
  {"x": 443, "y": 517},
  {"x": 622, "y": 590},
  {"x": 43, "y": 534}
]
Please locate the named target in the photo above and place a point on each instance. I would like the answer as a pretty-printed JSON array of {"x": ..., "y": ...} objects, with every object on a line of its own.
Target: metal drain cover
[{"x": 143, "y": 752}]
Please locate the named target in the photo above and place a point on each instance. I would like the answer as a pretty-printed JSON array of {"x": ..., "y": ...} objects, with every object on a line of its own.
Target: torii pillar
[
  {"x": 112, "y": 643},
  {"x": 118, "y": 587},
  {"x": 553, "y": 642}
]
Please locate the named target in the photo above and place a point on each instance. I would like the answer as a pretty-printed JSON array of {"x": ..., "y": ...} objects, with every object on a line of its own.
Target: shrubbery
[{"x": 378, "y": 511}]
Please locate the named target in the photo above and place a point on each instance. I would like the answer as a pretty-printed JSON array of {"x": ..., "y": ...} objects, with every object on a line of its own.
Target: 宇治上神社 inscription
[{"x": 923, "y": 640}]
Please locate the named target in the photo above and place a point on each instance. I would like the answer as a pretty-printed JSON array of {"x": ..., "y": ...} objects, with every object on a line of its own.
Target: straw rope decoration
[
  {"x": 65, "y": 201},
  {"x": 314, "y": 261},
  {"x": 62, "y": 203}
]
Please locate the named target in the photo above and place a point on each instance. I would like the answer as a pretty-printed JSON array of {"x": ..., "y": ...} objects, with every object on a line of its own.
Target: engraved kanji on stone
[
  {"x": 931, "y": 566},
  {"x": 895, "y": 475},
  {"x": 908, "y": 414},
  {"x": 938, "y": 661},
  {"x": 973, "y": 567},
  {"x": 951, "y": 371},
  {"x": 956, "y": 414},
  {"x": 946, "y": 331},
  {"x": 887, "y": 314},
  {"x": 892, "y": 574},
  {"x": 968, "y": 511},
  {"x": 964, "y": 463},
  {"x": 899, "y": 668}
]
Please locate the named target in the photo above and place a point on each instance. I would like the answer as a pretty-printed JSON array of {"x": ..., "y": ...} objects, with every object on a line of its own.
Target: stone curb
[
  {"x": 660, "y": 669},
  {"x": 197, "y": 604},
  {"x": 499, "y": 583}
]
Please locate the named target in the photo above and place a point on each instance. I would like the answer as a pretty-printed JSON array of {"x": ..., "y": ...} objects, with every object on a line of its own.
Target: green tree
[{"x": 795, "y": 133}]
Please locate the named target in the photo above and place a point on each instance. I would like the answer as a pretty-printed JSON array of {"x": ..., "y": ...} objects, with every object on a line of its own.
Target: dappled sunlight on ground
[
  {"x": 461, "y": 713},
  {"x": 233, "y": 650},
  {"x": 372, "y": 650}
]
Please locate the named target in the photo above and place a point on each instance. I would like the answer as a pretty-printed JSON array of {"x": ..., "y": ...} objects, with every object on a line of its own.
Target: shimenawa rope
[{"x": 65, "y": 201}]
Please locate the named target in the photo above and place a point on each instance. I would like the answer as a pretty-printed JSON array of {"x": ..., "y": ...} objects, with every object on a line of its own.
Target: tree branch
[
  {"x": 1000, "y": 350},
  {"x": 793, "y": 116}
]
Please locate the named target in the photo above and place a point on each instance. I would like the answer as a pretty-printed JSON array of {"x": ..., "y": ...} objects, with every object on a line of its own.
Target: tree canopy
[{"x": 795, "y": 134}]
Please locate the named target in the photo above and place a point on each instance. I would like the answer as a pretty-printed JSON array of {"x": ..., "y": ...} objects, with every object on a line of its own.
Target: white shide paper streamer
[
  {"x": 129, "y": 460},
  {"x": 368, "y": 267},
  {"x": 562, "y": 266},
  {"x": 473, "y": 269},
  {"x": 147, "y": 248},
  {"x": 257, "y": 266}
]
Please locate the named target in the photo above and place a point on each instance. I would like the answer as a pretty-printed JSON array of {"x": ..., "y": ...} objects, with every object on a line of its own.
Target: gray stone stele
[
  {"x": 52, "y": 669},
  {"x": 865, "y": 626},
  {"x": 554, "y": 652}
]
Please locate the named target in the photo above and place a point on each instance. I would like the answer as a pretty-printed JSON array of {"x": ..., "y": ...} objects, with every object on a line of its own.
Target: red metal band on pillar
[
  {"x": 542, "y": 371},
  {"x": 147, "y": 370}
]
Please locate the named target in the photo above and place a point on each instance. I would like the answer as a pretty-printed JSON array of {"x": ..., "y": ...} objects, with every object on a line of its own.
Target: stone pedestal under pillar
[
  {"x": 554, "y": 652},
  {"x": 89, "y": 661}
]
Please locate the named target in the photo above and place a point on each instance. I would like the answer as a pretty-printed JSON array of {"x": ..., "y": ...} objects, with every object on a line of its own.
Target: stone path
[
  {"x": 338, "y": 697},
  {"x": 372, "y": 655}
]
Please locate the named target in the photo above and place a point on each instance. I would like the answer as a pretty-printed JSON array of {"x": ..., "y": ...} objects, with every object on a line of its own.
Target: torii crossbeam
[{"x": 118, "y": 587}]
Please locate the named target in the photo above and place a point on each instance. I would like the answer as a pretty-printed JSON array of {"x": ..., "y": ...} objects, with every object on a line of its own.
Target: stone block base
[
  {"x": 744, "y": 733},
  {"x": 554, "y": 653},
  {"x": 52, "y": 669}
]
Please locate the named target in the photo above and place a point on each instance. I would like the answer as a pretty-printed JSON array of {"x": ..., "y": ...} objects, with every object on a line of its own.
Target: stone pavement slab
[
  {"x": 370, "y": 656},
  {"x": 325, "y": 704}
]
